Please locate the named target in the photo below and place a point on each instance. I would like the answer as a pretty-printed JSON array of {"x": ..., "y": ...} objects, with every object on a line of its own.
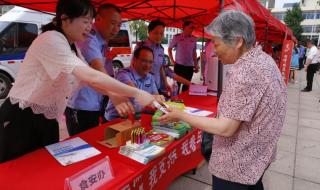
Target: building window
[
  {"x": 279, "y": 16},
  {"x": 311, "y": 29},
  {"x": 307, "y": 28},
  {"x": 311, "y": 15}
]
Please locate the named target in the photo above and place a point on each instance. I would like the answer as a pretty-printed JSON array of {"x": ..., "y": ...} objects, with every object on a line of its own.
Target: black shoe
[{"x": 305, "y": 90}]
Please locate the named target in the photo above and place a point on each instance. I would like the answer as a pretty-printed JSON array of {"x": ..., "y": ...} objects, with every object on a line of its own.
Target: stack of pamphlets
[
  {"x": 176, "y": 129},
  {"x": 142, "y": 153},
  {"x": 159, "y": 139}
]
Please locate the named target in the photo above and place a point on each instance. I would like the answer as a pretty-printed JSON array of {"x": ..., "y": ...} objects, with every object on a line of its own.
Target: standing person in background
[
  {"x": 85, "y": 106},
  {"x": 155, "y": 37},
  {"x": 51, "y": 71},
  {"x": 210, "y": 53},
  {"x": 203, "y": 59},
  {"x": 311, "y": 64},
  {"x": 302, "y": 55},
  {"x": 185, "y": 62},
  {"x": 294, "y": 65}
]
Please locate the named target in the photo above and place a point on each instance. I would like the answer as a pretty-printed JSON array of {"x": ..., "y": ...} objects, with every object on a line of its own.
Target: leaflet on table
[
  {"x": 197, "y": 112},
  {"x": 143, "y": 154},
  {"x": 72, "y": 151}
]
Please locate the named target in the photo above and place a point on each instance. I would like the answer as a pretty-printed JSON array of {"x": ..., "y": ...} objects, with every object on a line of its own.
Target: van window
[
  {"x": 121, "y": 40},
  {"x": 3, "y": 25},
  {"x": 26, "y": 34},
  {"x": 8, "y": 38},
  {"x": 15, "y": 38}
]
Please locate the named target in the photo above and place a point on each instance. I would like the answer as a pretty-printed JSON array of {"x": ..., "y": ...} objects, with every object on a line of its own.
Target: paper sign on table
[
  {"x": 199, "y": 90},
  {"x": 91, "y": 177},
  {"x": 72, "y": 151}
]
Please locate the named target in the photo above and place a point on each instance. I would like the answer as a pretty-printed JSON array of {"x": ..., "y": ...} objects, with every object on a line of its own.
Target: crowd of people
[{"x": 68, "y": 70}]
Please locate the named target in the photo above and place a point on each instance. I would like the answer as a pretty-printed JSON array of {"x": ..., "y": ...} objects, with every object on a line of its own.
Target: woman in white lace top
[{"x": 53, "y": 68}]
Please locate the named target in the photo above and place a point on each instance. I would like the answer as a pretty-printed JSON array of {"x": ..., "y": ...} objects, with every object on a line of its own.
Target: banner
[
  {"x": 285, "y": 61},
  {"x": 179, "y": 159}
]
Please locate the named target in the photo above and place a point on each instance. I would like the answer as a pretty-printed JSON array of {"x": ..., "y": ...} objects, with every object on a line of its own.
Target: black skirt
[{"x": 22, "y": 131}]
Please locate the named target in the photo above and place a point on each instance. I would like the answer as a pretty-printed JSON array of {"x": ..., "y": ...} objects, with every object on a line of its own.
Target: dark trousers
[
  {"x": 312, "y": 68},
  {"x": 220, "y": 184},
  {"x": 185, "y": 72},
  {"x": 22, "y": 131},
  {"x": 80, "y": 120},
  {"x": 301, "y": 60}
]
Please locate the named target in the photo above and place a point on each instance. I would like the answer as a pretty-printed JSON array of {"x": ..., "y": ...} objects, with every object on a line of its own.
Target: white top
[
  {"x": 312, "y": 54},
  {"x": 45, "y": 81}
]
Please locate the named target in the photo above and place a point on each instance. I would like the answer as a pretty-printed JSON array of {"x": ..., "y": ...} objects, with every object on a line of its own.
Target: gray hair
[{"x": 232, "y": 24}]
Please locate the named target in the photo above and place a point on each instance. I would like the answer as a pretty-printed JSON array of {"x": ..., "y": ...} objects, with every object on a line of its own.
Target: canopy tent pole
[
  {"x": 220, "y": 66},
  {"x": 202, "y": 58},
  {"x": 136, "y": 35},
  {"x": 202, "y": 41}
]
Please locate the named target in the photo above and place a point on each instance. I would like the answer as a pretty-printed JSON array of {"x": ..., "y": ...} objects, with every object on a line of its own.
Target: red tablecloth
[{"x": 38, "y": 170}]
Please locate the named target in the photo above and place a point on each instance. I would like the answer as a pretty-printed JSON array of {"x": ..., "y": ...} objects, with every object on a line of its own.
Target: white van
[
  {"x": 121, "y": 46},
  {"x": 18, "y": 28}
]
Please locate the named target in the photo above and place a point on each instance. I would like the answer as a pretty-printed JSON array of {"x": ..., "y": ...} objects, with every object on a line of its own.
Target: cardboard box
[{"x": 118, "y": 134}]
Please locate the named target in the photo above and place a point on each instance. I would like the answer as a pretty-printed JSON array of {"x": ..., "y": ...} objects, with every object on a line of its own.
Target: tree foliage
[
  {"x": 293, "y": 19},
  {"x": 139, "y": 29}
]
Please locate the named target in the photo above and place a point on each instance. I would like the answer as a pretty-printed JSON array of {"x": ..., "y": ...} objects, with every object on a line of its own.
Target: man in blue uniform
[
  {"x": 84, "y": 108},
  {"x": 185, "y": 62},
  {"x": 155, "y": 36},
  {"x": 137, "y": 75}
]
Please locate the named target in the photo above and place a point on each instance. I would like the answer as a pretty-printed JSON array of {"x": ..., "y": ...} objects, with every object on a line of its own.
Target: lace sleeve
[{"x": 55, "y": 55}]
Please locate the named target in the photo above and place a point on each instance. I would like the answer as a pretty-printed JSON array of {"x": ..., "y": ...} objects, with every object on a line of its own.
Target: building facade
[
  {"x": 269, "y": 4},
  {"x": 169, "y": 32},
  {"x": 5, "y": 8},
  {"x": 311, "y": 15}
]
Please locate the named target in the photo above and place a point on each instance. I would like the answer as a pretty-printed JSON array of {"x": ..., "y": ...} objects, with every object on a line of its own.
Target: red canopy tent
[
  {"x": 50, "y": 5},
  {"x": 174, "y": 12}
]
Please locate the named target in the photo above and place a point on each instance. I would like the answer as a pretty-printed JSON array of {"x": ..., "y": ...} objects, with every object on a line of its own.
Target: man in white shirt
[{"x": 311, "y": 64}]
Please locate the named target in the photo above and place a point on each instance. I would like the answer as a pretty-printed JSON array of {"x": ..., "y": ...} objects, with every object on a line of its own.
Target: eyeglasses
[{"x": 145, "y": 61}]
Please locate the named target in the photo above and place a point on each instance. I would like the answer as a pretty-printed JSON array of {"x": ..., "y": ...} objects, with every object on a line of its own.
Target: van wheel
[
  {"x": 5, "y": 85},
  {"x": 117, "y": 65}
]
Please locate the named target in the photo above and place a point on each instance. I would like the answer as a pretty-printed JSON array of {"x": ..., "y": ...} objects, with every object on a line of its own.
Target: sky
[{"x": 279, "y": 3}]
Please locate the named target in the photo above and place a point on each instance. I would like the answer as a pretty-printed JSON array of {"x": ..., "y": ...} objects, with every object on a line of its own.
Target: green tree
[
  {"x": 139, "y": 29},
  {"x": 164, "y": 40},
  {"x": 293, "y": 19}
]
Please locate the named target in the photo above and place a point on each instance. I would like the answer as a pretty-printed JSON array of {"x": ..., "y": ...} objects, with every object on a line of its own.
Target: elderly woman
[{"x": 251, "y": 109}]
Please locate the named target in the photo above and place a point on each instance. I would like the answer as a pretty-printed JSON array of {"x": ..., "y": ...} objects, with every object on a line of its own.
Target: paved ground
[{"x": 298, "y": 158}]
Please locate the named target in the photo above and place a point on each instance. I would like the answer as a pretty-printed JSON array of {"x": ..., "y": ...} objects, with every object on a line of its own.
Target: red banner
[
  {"x": 173, "y": 163},
  {"x": 285, "y": 61}
]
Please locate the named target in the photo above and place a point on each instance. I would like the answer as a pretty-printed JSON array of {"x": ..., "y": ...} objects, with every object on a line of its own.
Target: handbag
[{"x": 206, "y": 145}]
